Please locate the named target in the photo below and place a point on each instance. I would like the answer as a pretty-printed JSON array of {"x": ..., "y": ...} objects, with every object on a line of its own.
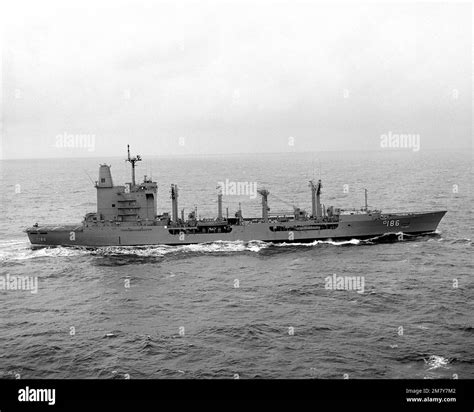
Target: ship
[{"x": 127, "y": 216}]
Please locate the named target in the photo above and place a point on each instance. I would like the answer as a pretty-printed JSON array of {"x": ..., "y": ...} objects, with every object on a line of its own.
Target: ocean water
[{"x": 175, "y": 312}]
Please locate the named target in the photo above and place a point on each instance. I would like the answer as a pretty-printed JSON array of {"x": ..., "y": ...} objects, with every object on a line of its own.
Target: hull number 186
[{"x": 391, "y": 222}]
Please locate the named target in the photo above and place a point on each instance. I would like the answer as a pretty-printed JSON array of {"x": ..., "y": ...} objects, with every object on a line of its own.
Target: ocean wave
[
  {"x": 162, "y": 250},
  {"x": 20, "y": 250},
  {"x": 15, "y": 250},
  {"x": 461, "y": 241},
  {"x": 402, "y": 236},
  {"x": 319, "y": 242},
  {"x": 435, "y": 362},
  {"x": 205, "y": 248}
]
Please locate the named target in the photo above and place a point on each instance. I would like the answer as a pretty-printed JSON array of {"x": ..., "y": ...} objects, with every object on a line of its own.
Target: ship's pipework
[{"x": 174, "y": 201}]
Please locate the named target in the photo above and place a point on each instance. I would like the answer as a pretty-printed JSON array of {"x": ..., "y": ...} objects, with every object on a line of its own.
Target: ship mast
[{"x": 133, "y": 160}]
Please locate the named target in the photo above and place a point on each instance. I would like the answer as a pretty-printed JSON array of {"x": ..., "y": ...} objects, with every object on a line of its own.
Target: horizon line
[{"x": 393, "y": 150}]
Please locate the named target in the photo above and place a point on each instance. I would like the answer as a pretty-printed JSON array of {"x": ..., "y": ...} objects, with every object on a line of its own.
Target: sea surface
[{"x": 235, "y": 309}]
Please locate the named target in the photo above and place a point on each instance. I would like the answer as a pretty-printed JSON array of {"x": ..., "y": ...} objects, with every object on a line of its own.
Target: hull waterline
[{"x": 347, "y": 228}]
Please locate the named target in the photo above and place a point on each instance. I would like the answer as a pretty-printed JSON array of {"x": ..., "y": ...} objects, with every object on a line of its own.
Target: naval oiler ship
[{"x": 127, "y": 216}]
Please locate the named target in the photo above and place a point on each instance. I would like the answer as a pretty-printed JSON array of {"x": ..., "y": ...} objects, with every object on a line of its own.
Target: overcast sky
[{"x": 202, "y": 77}]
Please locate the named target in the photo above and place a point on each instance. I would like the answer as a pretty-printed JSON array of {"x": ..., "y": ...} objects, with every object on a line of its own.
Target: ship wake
[
  {"x": 15, "y": 250},
  {"x": 208, "y": 248}
]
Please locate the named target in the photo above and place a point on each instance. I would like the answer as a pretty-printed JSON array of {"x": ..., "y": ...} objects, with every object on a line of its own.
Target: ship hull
[{"x": 351, "y": 226}]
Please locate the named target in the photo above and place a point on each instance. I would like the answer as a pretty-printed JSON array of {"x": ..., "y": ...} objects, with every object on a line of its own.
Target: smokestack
[{"x": 105, "y": 177}]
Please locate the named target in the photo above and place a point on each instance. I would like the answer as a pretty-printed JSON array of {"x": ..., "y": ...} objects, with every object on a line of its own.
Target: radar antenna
[{"x": 133, "y": 160}]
